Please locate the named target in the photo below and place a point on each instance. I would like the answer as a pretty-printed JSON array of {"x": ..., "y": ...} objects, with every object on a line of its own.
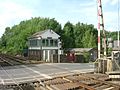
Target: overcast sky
[{"x": 85, "y": 11}]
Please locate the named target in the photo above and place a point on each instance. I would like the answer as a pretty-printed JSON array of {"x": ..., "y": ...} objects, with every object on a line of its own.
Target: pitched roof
[
  {"x": 80, "y": 49},
  {"x": 38, "y": 34}
]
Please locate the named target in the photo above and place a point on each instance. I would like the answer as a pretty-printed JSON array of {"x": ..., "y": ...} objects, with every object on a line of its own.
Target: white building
[{"x": 43, "y": 44}]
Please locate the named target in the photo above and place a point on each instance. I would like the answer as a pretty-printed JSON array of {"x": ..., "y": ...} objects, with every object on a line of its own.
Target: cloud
[
  {"x": 110, "y": 19},
  {"x": 114, "y": 2},
  {"x": 105, "y": 1},
  {"x": 111, "y": 2},
  {"x": 84, "y": 13},
  {"x": 12, "y": 13}
]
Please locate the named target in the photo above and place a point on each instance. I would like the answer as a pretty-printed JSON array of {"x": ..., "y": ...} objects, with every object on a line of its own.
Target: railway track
[
  {"x": 79, "y": 82},
  {"x": 70, "y": 82},
  {"x": 7, "y": 60},
  {"x": 65, "y": 82}
]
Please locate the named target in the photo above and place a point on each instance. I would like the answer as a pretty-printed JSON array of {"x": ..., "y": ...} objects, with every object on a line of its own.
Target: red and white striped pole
[
  {"x": 99, "y": 13},
  {"x": 101, "y": 25}
]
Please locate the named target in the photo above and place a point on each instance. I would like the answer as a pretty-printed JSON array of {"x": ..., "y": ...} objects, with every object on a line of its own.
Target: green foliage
[
  {"x": 85, "y": 36},
  {"x": 113, "y": 35},
  {"x": 79, "y": 33},
  {"x": 88, "y": 40},
  {"x": 68, "y": 36},
  {"x": 109, "y": 51},
  {"x": 79, "y": 36},
  {"x": 14, "y": 40},
  {"x": 86, "y": 57}
]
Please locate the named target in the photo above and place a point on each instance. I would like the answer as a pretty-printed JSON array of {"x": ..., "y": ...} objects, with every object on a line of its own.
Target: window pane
[
  {"x": 43, "y": 42},
  {"x": 47, "y": 44},
  {"x": 51, "y": 42},
  {"x": 56, "y": 43},
  {"x": 39, "y": 42},
  {"x": 33, "y": 42}
]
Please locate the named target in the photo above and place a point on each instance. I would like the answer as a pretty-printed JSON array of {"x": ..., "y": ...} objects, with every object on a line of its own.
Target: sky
[{"x": 12, "y": 12}]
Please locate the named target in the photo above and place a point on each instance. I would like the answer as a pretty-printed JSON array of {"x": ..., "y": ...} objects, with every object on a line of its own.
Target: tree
[
  {"x": 92, "y": 41},
  {"x": 81, "y": 35},
  {"x": 86, "y": 57},
  {"x": 68, "y": 36},
  {"x": 78, "y": 33},
  {"x": 14, "y": 40},
  {"x": 89, "y": 40}
]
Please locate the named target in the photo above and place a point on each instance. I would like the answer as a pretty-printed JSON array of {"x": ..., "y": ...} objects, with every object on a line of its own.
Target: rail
[{"x": 79, "y": 81}]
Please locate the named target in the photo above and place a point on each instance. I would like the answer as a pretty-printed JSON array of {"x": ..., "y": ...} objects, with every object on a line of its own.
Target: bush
[{"x": 86, "y": 57}]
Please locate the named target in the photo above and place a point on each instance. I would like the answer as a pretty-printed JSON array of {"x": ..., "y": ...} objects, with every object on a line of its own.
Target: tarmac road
[{"x": 27, "y": 73}]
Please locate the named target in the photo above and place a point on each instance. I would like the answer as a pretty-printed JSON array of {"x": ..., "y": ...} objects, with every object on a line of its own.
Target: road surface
[{"x": 27, "y": 73}]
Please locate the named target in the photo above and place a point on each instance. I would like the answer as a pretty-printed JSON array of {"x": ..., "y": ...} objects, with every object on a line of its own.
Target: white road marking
[
  {"x": 84, "y": 70},
  {"x": 2, "y": 81},
  {"x": 42, "y": 74}
]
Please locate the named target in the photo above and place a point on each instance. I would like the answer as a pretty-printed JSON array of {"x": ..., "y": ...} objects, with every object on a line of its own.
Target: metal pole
[
  {"x": 104, "y": 36},
  {"x": 101, "y": 23},
  {"x": 118, "y": 26},
  {"x": 98, "y": 28}
]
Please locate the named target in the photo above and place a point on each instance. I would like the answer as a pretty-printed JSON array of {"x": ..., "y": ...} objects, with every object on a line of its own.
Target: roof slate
[{"x": 38, "y": 34}]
